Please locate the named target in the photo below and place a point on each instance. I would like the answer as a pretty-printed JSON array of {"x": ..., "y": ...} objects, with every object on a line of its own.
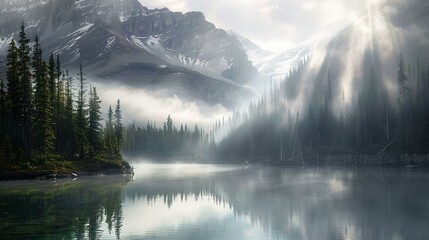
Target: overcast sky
[{"x": 272, "y": 24}]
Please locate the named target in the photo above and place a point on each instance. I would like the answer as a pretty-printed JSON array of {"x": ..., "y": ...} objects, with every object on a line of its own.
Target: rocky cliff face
[
  {"x": 172, "y": 38},
  {"x": 121, "y": 40}
]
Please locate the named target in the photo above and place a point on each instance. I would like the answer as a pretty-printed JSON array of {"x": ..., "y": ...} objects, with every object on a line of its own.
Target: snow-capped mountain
[
  {"x": 340, "y": 61},
  {"x": 278, "y": 65},
  {"x": 344, "y": 53},
  {"x": 255, "y": 53},
  {"x": 121, "y": 39}
]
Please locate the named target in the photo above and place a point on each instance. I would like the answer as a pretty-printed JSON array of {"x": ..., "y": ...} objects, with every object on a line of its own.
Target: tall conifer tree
[
  {"x": 58, "y": 103},
  {"x": 44, "y": 134},
  {"x": 118, "y": 126},
  {"x": 3, "y": 110},
  {"x": 69, "y": 118},
  {"x": 14, "y": 94},
  {"x": 81, "y": 115},
  {"x": 95, "y": 128},
  {"x": 109, "y": 134},
  {"x": 24, "y": 64}
]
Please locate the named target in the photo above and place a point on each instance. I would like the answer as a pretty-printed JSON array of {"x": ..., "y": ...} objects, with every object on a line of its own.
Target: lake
[{"x": 191, "y": 201}]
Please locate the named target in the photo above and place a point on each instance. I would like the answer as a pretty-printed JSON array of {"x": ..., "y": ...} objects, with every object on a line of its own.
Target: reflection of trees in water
[
  {"x": 308, "y": 203},
  {"x": 66, "y": 210},
  {"x": 288, "y": 203}
]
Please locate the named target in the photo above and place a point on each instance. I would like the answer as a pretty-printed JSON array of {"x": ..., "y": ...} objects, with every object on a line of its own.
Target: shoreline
[
  {"x": 408, "y": 161},
  {"x": 48, "y": 174},
  {"x": 369, "y": 160}
]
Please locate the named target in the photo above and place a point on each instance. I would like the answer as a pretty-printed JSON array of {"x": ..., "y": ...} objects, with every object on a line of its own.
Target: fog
[
  {"x": 140, "y": 105},
  {"x": 374, "y": 39}
]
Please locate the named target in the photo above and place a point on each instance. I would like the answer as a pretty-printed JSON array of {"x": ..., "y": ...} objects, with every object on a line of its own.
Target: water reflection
[
  {"x": 222, "y": 202},
  {"x": 61, "y": 210}
]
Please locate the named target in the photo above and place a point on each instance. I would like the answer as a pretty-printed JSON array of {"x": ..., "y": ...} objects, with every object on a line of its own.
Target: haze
[{"x": 274, "y": 25}]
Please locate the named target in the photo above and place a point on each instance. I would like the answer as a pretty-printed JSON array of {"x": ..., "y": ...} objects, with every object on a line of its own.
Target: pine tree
[
  {"x": 24, "y": 64},
  {"x": 95, "y": 128},
  {"x": 169, "y": 134},
  {"x": 3, "y": 111},
  {"x": 52, "y": 88},
  {"x": 109, "y": 134},
  {"x": 43, "y": 131},
  {"x": 59, "y": 123},
  {"x": 69, "y": 117},
  {"x": 81, "y": 116},
  {"x": 52, "y": 83},
  {"x": 404, "y": 103},
  {"x": 118, "y": 126},
  {"x": 58, "y": 103},
  {"x": 14, "y": 94},
  {"x": 372, "y": 107},
  {"x": 35, "y": 119},
  {"x": 169, "y": 124}
]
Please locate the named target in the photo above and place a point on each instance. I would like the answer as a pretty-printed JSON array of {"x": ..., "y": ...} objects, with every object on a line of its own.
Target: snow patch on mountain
[
  {"x": 82, "y": 4},
  {"x": 76, "y": 54},
  {"x": 110, "y": 42},
  {"x": 83, "y": 29},
  {"x": 4, "y": 44},
  {"x": 255, "y": 53},
  {"x": 21, "y": 6},
  {"x": 210, "y": 67},
  {"x": 72, "y": 40},
  {"x": 278, "y": 65}
]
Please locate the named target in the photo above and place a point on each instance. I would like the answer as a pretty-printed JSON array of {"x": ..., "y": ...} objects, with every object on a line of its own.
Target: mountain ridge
[{"x": 113, "y": 35}]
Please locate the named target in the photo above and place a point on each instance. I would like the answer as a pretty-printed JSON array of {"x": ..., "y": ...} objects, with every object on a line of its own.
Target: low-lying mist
[{"x": 140, "y": 105}]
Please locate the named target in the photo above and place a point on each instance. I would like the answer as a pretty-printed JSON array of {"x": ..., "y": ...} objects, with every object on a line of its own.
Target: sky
[{"x": 272, "y": 24}]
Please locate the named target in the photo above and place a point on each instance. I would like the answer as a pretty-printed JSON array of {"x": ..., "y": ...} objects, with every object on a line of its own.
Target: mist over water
[
  {"x": 191, "y": 201},
  {"x": 207, "y": 143}
]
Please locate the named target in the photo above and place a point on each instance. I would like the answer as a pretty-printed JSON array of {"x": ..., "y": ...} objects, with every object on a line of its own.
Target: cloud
[
  {"x": 269, "y": 22},
  {"x": 140, "y": 105}
]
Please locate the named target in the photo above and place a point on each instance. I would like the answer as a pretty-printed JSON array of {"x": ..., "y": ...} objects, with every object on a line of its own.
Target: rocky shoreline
[{"x": 8, "y": 175}]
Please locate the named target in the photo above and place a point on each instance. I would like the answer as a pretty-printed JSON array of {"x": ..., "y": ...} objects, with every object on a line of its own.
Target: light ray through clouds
[
  {"x": 374, "y": 33},
  {"x": 369, "y": 32}
]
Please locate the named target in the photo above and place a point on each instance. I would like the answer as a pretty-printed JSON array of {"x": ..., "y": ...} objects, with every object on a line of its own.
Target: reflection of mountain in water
[{"x": 291, "y": 203}]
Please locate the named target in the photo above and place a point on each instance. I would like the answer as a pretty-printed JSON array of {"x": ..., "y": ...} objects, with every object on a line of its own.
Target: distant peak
[
  {"x": 247, "y": 43},
  {"x": 195, "y": 14}
]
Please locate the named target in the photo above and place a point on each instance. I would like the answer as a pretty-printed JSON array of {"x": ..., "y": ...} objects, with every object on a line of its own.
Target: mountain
[
  {"x": 278, "y": 65},
  {"x": 255, "y": 53},
  {"x": 121, "y": 40},
  {"x": 374, "y": 40},
  {"x": 340, "y": 61},
  {"x": 359, "y": 98},
  {"x": 391, "y": 25}
]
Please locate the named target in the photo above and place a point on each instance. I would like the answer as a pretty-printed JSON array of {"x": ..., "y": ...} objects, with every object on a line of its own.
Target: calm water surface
[{"x": 179, "y": 201}]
